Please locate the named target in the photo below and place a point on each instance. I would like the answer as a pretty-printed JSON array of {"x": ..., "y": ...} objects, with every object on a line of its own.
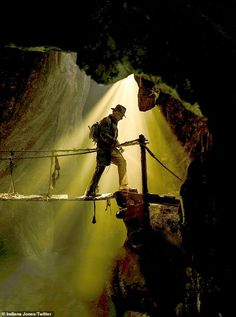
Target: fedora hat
[{"x": 120, "y": 109}]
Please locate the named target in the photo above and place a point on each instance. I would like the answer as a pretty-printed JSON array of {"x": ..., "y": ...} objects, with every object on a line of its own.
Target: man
[{"x": 108, "y": 150}]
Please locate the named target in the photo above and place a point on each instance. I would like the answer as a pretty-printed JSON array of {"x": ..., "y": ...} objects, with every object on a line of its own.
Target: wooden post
[{"x": 142, "y": 142}]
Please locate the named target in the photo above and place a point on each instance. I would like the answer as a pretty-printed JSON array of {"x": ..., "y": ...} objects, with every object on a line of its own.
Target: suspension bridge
[{"x": 53, "y": 155}]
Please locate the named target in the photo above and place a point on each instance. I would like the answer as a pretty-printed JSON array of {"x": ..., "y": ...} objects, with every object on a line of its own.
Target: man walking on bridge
[{"x": 108, "y": 150}]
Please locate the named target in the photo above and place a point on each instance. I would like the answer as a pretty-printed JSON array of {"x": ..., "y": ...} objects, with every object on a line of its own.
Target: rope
[
  {"x": 11, "y": 173},
  {"x": 50, "y": 179},
  {"x": 45, "y": 151},
  {"x": 77, "y": 152},
  {"x": 129, "y": 143},
  {"x": 108, "y": 204},
  {"x": 56, "y": 172},
  {"x": 150, "y": 152},
  {"x": 46, "y": 156}
]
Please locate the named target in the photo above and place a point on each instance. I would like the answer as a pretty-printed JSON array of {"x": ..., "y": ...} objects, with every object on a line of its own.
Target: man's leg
[
  {"x": 95, "y": 180},
  {"x": 118, "y": 159},
  {"x": 103, "y": 160}
]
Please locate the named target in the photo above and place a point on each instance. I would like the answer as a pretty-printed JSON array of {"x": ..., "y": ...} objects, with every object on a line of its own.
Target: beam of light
[
  {"x": 158, "y": 133},
  {"x": 85, "y": 251},
  {"x": 91, "y": 271}
]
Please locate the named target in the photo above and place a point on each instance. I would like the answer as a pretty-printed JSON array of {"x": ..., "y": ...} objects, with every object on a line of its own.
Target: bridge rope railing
[{"x": 76, "y": 152}]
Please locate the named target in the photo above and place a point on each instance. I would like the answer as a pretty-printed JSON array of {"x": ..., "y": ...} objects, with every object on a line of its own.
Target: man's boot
[{"x": 95, "y": 180}]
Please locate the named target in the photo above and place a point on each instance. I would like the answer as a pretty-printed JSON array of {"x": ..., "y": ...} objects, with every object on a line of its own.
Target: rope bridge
[{"x": 55, "y": 172}]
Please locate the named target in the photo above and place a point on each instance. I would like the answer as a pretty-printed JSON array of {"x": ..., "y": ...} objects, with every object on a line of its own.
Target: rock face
[{"x": 149, "y": 274}]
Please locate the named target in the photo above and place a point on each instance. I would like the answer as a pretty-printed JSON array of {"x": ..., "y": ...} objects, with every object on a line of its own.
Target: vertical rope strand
[
  {"x": 11, "y": 173},
  {"x": 50, "y": 176},
  {"x": 94, "y": 212}
]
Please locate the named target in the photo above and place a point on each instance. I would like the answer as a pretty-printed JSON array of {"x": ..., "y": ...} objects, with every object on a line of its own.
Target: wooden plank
[
  {"x": 19, "y": 197},
  {"x": 62, "y": 197},
  {"x": 99, "y": 197}
]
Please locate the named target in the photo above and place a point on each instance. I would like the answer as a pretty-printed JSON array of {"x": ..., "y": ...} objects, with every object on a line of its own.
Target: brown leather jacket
[{"x": 108, "y": 132}]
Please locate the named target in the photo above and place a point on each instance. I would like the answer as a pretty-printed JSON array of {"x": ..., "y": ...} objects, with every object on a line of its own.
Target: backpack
[{"x": 94, "y": 132}]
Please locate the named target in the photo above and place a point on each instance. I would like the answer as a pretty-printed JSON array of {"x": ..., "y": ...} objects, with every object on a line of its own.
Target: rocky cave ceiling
[{"x": 187, "y": 44}]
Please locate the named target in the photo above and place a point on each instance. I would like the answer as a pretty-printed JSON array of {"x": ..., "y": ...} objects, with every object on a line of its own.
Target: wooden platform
[{"x": 62, "y": 197}]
